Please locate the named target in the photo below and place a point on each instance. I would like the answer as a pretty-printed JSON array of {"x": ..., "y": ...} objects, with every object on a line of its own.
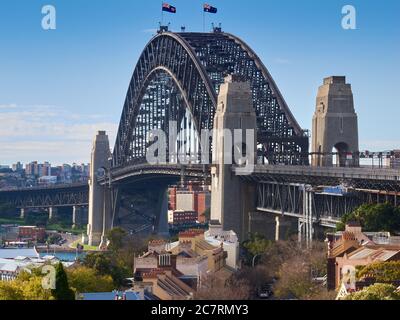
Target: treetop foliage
[
  {"x": 374, "y": 218},
  {"x": 378, "y": 291}
]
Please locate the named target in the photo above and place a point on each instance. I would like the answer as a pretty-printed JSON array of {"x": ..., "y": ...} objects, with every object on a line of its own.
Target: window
[{"x": 341, "y": 125}]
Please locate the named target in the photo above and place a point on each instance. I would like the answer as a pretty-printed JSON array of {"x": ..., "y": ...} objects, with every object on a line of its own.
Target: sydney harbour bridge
[{"x": 177, "y": 79}]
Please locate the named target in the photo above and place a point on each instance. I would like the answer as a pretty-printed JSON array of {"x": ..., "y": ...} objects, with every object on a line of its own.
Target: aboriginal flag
[
  {"x": 210, "y": 9},
  {"x": 168, "y": 8}
]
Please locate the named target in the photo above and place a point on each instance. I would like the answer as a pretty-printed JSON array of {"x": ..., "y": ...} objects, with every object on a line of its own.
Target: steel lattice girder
[
  {"x": 38, "y": 198},
  {"x": 183, "y": 71},
  {"x": 287, "y": 198}
]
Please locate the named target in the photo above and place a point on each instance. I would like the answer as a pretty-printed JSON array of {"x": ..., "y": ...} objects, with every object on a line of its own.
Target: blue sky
[{"x": 58, "y": 87}]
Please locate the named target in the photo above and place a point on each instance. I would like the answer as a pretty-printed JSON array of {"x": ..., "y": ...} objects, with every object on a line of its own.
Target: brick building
[
  {"x": 353, "y": 248},
  {"x": 192, "y": 198},
  {"x": 32, "y": 233},
  {"x": 183, "y": 264},
  {"x": 179, "y": 217}
]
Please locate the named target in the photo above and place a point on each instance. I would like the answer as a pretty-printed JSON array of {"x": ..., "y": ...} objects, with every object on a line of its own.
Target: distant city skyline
[
  {"x": 24, "y": 164},
  {"x": 59, "y": 87}
]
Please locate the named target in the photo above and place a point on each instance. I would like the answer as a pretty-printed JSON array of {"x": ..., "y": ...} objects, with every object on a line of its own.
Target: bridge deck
[
  {"x": 358, "y": 177},
  {"x": 56, "y": 187},
  {"x": 142, "y": 171},
  {"x": 347, "y": 173}
]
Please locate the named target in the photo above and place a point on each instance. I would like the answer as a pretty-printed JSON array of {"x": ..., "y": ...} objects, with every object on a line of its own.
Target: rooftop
[
  {"x": 374, "y": 253},
  {"x": 191, "y": 233},
  {"x": 15, "y": 253},
  {"x": 335, "y": 79},
  {"x": 157, "y": 242}
]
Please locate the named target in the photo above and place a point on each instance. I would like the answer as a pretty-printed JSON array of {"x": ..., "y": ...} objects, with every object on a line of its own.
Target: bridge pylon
[
  {"x": 335, "y": 125},
  {"x": 99, "y": 195},
  {"x": 235, "y": 117}
]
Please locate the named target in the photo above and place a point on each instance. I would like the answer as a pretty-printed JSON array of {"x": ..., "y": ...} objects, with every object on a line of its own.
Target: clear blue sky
[{"x": 58, "y": 87}]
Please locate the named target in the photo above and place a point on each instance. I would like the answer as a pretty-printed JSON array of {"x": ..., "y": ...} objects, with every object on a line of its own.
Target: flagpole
[
  {"x": 162, "y": 13},
  {"x": 204, "y": 21}
]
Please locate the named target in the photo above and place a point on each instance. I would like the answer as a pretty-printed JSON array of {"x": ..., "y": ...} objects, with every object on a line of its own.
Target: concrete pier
[
  {"x": 234, "y": 116},
  {"x": 99, "y": 196}
]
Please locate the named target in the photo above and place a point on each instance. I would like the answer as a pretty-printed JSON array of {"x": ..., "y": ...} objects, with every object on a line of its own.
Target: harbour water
[{"x": 66, "y": 256}]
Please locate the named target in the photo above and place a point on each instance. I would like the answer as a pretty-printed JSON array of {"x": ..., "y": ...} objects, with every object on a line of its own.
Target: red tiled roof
[
  {"x": 348, "y": 235},
  {"x": 157, "y": 242},
  {"x": 191, "y": 233}
]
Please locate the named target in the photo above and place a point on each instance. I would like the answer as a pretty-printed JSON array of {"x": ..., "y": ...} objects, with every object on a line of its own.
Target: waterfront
[{"x": 66, "y": 256}]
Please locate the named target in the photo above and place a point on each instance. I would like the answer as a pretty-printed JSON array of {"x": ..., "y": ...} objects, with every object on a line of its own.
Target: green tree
[
  {"x": 27, "y": 286},
  {"x": 109, "y": 263},
  {"x": 100, "y": 261},
  {"x": 38, "y": 219},
  {"x": 256, "y": 245},
  {"x": 381, "y": 271},
  {"x": 33, "y": 289},
  {"x": 378, "y": 291},
  {"x": 117, "y": 237},
  {"x": 10, "y": 291},
  {"x": 84, "y": 279},
  {"x": 62, "y": 290},
  {"x": 374, "y": 217}
]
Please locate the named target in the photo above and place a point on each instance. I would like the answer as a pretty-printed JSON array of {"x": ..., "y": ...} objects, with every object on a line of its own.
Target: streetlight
[{"x": 254, "y": 259}]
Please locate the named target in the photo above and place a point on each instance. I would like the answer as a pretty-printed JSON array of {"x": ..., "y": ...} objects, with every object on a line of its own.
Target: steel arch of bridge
[{"x": 180, "y": 72}]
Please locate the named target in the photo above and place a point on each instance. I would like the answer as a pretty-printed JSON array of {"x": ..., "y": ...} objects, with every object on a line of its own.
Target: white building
[
  {"x": 47, "y": 180},
  {"x": 14, "y": 261},
  {"x": 230, "y": 242}
]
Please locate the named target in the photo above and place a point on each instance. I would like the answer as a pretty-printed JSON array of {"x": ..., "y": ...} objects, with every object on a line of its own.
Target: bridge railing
[
  {"x": 46, "y": 187},
  {"x": 365, "y": 159}
]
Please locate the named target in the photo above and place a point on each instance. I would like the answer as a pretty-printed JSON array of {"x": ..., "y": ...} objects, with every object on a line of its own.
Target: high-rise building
[
  {"x": 32, "y": 169},
  {"x": 45, "y": 169},
  {"x": 66, "y": 172},
  {"x": 38, "y": 169},
  {"x": 17, "y": 167}
]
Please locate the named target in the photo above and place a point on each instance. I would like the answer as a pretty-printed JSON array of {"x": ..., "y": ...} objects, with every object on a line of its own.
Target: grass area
[
  {"x": 85, "y": 247},
  {"x": 20, "y": 222},
  {"x": 60, "y": 228}
]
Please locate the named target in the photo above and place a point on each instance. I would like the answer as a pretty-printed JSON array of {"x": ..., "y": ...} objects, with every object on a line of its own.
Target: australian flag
[
  {"x": 210, "y": 9},
  {"x": 168, "y": 8}
]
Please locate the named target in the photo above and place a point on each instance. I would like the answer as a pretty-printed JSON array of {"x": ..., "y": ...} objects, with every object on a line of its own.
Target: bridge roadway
[
  {"x": 46, "y": 187},
  {"x": 362, "y": 177},
  {"x": 295, "y": 191},
  {"x": 367, "y": 179},
  {"x": 149, "y": 171},
  {"x": 66, "y": 195}
]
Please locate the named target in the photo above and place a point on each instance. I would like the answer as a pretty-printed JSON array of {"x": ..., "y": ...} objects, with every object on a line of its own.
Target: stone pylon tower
[
  {"x": 99, "y": 196},
  {"x": 335, "y": 125},
  {"x": 228, "y": 194}
]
